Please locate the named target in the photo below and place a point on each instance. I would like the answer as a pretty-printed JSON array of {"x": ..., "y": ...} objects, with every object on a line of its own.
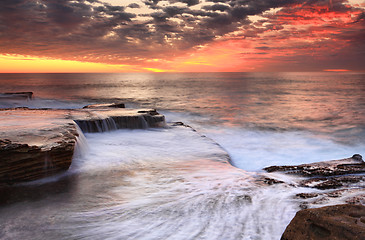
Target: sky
[{"x": 182, "y": 35}]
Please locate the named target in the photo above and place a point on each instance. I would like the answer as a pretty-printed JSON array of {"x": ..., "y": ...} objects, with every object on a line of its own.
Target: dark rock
[
  {"x": 346, "y": 175},
  {"x": 178, "y": 124},
  {"x": 331, "y": 182},
  {"x": 151, "y": 112},
  {"x": 327, "y": 223},
  {"x": 106, "y": 105},
  {"x": 107, "y": 119},
  {"x": 326, "y": 168},
  {"x": 357, "y": 157},
  {"x": 17, "y": 95},
  {"x": 307, "y": 195},
  {"x": 336, "y": 193},
  {"x": 271, "y": 181}
]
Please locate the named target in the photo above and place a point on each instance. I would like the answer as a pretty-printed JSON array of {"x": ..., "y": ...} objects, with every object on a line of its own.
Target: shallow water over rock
[{"x": 168, "y": 183}]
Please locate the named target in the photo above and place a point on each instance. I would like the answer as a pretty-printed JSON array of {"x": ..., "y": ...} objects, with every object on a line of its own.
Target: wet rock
[
  {"x": 357, "y": 157},
  {"x": 17, "y": 95},
  {"x": 346, "y": 176},
  {"x": 177, "y": 124},
  {"x": 307, "y": 195},
  {"x": 331, "y": 182},
  {"x": 327, "y": 223},
  {"x": 352, "y": 165},
  {"x": 151, "y": 112},
  {"x": 36, "y": 143},
  {"x": 107, "y": 119},
  {"x": 328, "y": 174},
  {"x": 336, "y": 193},
  {"x": 271, "y": 181},
  {"x": 106, "y": 105},
  {"x": 359, "y": 199}
]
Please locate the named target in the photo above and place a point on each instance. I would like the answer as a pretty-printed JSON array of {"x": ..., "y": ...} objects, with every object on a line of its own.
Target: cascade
[
  {"x": 97, "y": 125},
  {"x": 120, "y": 122},
  {"x": 82, "y": 146}
]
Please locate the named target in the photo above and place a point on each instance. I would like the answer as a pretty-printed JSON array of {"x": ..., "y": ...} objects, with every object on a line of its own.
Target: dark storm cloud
[
  {"x": 216, "y": 7},
  {"x": 191, "y": 2},
  {"x": 134, "y": 5},
  {"x": 97, "y": 31}
]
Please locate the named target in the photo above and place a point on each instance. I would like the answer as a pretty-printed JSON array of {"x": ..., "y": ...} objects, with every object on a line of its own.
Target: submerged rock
[
  {"x": 327, "y": 174},
  {"x": 36, "y": 143},
  {"x": 337, "y": 176},
  {"x": 332, "y": 182},
  {"x": 106, "y": 105},
  {"x": 328, "y": 223},
  {"x": 17, "y": 95},
  {"x": 352, "y": 165}
]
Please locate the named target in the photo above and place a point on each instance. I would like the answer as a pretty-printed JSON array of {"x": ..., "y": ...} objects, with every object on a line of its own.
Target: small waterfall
[
  {"x": 106, "y": 123},
  {"x": 97, "y": 125},
  {"x": 143, "y": 122},
  {"x": 133, "y": 122},
  {"x": 48, "y": 164},
  {"x": 82, "y": 146},
  {"x": 155, "y": 120}
]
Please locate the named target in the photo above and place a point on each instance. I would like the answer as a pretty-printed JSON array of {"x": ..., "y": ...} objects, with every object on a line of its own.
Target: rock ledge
[
  {"x": 36, "y": 143},
  {"x": 328, "y": 223}
]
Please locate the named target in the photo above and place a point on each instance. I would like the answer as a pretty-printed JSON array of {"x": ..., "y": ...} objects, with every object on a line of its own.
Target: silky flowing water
[{"x": 175, "y": 182}]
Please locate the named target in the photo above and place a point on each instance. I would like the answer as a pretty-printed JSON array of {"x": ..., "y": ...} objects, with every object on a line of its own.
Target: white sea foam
[
  {"x": 254, "y": 149},
  {"x": 174, "y": 184},
  {"x": 125, "y": 147},
  {"x": 166, "y": 183}
]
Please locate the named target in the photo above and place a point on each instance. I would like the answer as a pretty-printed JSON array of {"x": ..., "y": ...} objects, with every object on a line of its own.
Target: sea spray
[{"x": 171, "y": 183}]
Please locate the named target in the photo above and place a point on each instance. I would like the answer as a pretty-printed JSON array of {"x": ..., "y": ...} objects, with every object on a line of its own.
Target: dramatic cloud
[{"x": 222, "y": 35}]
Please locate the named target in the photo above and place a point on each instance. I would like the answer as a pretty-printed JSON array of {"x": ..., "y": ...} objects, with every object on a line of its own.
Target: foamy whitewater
[{"x": 177, "y": 183}]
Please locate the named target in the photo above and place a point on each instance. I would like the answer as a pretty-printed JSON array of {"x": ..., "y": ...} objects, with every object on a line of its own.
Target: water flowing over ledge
[{"x": 37, "y": 143}]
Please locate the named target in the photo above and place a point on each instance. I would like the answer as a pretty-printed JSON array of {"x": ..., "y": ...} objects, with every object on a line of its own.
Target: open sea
[{"x": 176, "y": 183}]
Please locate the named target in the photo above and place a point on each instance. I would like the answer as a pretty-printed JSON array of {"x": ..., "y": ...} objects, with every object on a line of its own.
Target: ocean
[{"x": 176, "y": 183}]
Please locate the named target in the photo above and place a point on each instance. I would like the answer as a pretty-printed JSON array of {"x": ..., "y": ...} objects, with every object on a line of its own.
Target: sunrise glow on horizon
[{"x": 182, "y": 36}]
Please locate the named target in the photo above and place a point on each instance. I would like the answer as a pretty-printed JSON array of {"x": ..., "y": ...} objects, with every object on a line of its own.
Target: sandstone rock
[
  {"x": 328, "y": 223},
  {"x": 35, "y": 143}
]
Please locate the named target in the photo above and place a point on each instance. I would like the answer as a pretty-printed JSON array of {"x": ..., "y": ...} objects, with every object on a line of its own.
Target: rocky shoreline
[
  {"x": 343, "y": 179},
  {"x": 37, "y": 143}
]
